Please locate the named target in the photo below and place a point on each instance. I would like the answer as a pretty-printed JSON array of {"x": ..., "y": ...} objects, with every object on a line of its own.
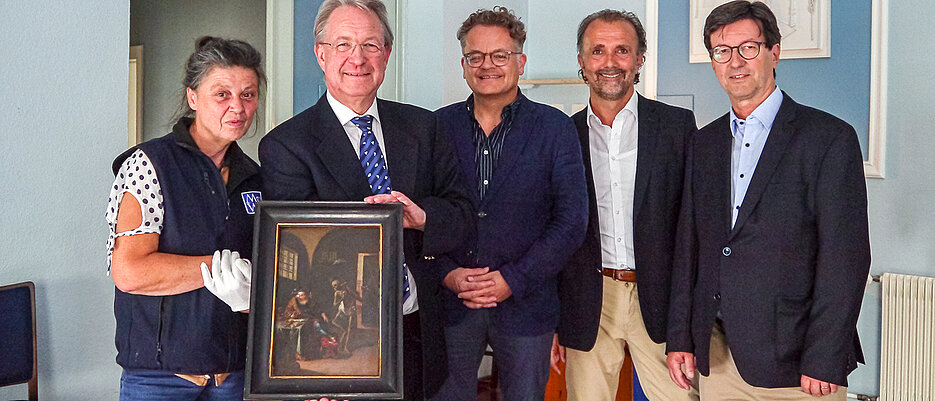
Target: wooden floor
[{"x": 555, "y": 388}]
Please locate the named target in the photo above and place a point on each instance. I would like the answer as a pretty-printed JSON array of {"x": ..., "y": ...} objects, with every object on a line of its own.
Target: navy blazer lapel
[
  {"x": 337, "y": 153},
  {"x": 648, "y": 127},
  {"x": 773, "y": 152},
  {"x": 401, "y": 149},
  {"x": 462, "y": 139},
  {"x": 711, "y": 157}
]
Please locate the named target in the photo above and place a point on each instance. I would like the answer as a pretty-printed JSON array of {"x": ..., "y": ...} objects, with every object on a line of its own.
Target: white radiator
[{"x": 907, "y": 357}]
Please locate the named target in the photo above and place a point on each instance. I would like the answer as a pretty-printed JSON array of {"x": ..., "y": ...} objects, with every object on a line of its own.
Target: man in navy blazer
[
  {"x": 773, "y": 249},
  {"x": 615, "y": 290},
  {"x": 317, "y": 155},
  {"x": 524, "y": 163}
]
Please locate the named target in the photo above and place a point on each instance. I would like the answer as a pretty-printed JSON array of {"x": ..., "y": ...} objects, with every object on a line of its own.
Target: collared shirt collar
[
  {"x": 765, "y": 113},
  {"x": 345, "y": 114},
  {"x": 487, "y": 148},
  {"x": 508, "y": 109},
  {"x": 631, "y": 106}
]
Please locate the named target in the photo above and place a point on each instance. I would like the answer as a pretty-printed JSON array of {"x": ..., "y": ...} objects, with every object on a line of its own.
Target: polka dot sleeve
[{"x": 136, "y": 177}]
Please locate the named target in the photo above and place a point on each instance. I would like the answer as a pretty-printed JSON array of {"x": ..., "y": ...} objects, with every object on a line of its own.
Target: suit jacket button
[
  {"x": 726, "y": 251},
  {"x": 717, "y": 296},
  {"x": 481, "y": 214}
]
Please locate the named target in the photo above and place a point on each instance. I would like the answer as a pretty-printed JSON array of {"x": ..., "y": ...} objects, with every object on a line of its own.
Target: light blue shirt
[{"x": 750, "y": 136}]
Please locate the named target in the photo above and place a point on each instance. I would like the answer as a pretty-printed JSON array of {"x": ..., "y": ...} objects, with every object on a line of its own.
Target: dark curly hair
[{"x": 499, "y": 16}]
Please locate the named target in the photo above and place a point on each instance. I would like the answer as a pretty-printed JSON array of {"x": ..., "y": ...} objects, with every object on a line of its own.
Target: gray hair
[
  {"x": 213, "y": 52},
  {"x": 374, "y": 6}
]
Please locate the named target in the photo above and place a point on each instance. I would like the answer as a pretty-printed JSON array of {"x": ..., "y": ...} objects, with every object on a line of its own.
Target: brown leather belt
[{"x": 620, "y": 274}]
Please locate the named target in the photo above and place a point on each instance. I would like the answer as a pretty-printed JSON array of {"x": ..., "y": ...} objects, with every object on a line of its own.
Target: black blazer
[
  {"x": 788, "y": 278},
  {"x": 309, "y": 157},
  {"x": 664, "y": 132}
]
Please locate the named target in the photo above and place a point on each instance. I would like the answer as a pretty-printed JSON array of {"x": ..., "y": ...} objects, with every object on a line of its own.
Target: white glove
[{"x": 229, "y": 279}]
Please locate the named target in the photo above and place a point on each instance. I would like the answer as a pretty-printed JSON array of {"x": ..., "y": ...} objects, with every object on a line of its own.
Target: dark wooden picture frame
[{"x": 325, "y": 315}]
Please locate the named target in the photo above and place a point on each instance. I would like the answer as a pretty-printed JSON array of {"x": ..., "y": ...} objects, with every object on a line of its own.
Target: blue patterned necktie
[
  {"x": 371, "y": 157},
  {"x": 374, "y": 165}
]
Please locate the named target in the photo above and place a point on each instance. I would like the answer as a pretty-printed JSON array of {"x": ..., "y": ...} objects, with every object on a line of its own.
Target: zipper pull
[{"x": 208, "y": 181}]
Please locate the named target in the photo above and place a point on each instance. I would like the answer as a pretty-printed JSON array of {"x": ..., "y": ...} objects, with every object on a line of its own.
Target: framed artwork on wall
[{"x": 325, "y": 316}]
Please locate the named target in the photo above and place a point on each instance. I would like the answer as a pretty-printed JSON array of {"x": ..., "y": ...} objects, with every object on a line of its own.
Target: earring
[{"x": 581, "y": 75}]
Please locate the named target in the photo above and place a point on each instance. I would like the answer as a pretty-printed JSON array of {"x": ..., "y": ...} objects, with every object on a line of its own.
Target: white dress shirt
[
  {"x": 345, "y": 114},
  {"x": 613, "y": 164}
]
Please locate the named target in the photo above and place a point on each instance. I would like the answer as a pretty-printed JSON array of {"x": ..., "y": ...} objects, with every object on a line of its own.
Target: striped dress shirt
[{"x": 488, "y": 147}]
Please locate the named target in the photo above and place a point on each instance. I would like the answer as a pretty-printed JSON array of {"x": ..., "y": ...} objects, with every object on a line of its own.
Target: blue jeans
[
  {"x": 522, "y": 362},
  {"x": 159, "y": 385}
]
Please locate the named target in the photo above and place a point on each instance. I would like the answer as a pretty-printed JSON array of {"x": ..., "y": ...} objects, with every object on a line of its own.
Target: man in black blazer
[
  {"x": 634, "y": 152},
  {"x": 773, "y": 249},
  {"x": 323, "y": 152}
]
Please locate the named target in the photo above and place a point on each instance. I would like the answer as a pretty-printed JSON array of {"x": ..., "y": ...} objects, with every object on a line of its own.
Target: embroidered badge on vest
[{"x": 250, "y": 199}]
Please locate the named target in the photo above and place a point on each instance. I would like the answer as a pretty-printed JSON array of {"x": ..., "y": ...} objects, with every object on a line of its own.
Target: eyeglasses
[
  {"x": 747, "y": 50},
  {"x": 498, "y": 58},
  {"x": 368, "y": 48}
]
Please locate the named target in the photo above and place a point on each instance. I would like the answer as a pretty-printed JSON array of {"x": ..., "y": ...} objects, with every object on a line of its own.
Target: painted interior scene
[{"x": 327, "y": 306}]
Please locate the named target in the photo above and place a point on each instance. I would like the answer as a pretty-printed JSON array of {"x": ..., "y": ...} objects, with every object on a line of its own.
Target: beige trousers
[
  {"x": 724, "y": 381},
  {"x": 594, "y": 375}
]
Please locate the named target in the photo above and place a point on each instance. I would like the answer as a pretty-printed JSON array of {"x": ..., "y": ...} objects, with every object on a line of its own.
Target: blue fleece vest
[{"x": 194, "y": 332}]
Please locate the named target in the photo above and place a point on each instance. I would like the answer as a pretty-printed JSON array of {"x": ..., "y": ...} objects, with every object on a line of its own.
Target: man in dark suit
[
  {"x": 524, "y": 164},
  {"x": 773, "y": 249},
  {"x": 351, "y": 146},
  {"x": 615, "y": 289}
]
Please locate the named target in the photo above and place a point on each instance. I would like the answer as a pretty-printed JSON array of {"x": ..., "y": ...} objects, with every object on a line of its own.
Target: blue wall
[
  {"x": 308, "y": 80},
  {"x": 902, "y": 225},
  {"x": 63, "y": 118}
]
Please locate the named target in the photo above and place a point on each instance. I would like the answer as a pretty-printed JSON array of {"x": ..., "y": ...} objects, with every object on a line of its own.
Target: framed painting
[{"x": 325, "y": 320}]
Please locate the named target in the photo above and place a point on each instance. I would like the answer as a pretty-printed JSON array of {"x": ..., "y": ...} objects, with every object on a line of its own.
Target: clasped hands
[
  {"x": 682, "y": 370},
  {"x": 478, "y": 287}
]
